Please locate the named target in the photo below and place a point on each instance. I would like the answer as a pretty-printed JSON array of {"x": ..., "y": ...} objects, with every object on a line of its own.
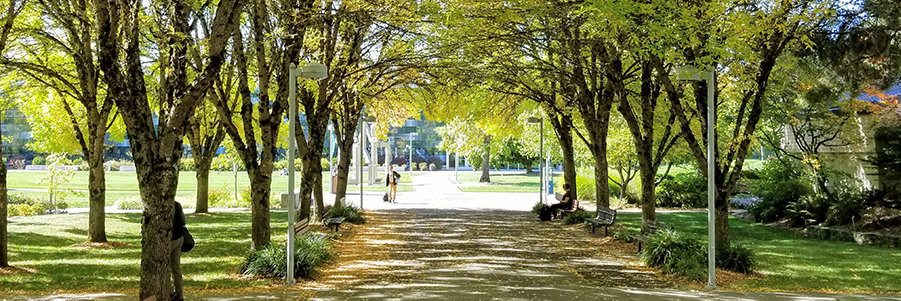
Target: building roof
[{"x": 893, "y": 91}]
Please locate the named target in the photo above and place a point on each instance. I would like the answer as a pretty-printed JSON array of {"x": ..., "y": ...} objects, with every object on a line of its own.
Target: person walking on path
[
  {"x": 178, "y": 239},
  {"x": 391, "y": 181}
]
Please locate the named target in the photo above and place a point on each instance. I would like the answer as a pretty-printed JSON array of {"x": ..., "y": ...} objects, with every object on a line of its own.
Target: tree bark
[
  {"x": 562, "y": 125},
  {"x": 202, "y": 167},
  {"x": 486, "y": 158},
  {"x": 97, "y": 188},
  {"x": 4, "y": 201}
]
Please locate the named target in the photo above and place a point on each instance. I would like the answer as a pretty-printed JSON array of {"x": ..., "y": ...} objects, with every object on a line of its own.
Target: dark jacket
[
  {"x": 388, "y": 178},
  {"x": 178, "y": 222}
]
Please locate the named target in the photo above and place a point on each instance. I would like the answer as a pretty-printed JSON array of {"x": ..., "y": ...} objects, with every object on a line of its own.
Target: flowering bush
[{"x": 743, "y": 201}]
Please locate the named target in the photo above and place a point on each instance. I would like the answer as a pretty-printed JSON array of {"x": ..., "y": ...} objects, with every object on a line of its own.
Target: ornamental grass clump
[
  {"x": 350, "y": 213},
  {"x": 737, "y": 258},
  {"x": 676, "y": 254},
  {"x": 310, "y": 253},
  {"x": 577, "y": 217}
]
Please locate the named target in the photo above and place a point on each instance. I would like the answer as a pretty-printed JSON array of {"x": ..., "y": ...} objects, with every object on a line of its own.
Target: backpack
[
  {"x": 188, "y": 244},
  {"x": 544, "y": 214},
  {"x": 385, "y": 197}
]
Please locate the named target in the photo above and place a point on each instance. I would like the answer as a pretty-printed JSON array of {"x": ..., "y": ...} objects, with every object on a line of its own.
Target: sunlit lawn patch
[
  {"x": 792, "y": 262},
  {"x": 44, "y": 247}
]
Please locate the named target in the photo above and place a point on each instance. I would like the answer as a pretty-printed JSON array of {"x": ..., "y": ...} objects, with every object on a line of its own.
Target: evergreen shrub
[
  {"x": 688, "y": 190},
  {"x": 310, "y": 252},
  {"x": 129, "y": 203},
  {"x": 676, "y": 254},
  {"x": 350, "y": 213}
]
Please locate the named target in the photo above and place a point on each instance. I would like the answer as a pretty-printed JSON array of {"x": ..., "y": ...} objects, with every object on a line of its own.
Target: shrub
[
  {"x": 809, "y": 210},
  {"x": 779, "y": 186},
  {"x": 17, "y": 163},
  {"x": 38, "y": 161},
  {"x": 310, "y": 252},
  {"x": 585, "y": 185},
  {"x": 682, "y": 190},
  {"x": 84, "y": 166},
  {"x": 536, "y": 209},
  {"x": 223, "y": 199},
  {"x": 577, "y": 217},
  {"x": 186, "y": 164},
  {"x": 129, "y": 203},
  {"x": 115, "y": 164},
  {"x": 323, "y": 162},
  {"x": 737, "y": 258},
  {"x": 848, "y": 207},
  {"x": 350, "y": 213},
  {"x": 435, "y": 161},
  {"x": 433, "y": 167},
  {"x": 24, "y": 210},
  {"x": 414, "y": 167},
  {"x": 77, "y": 161},
  {"x": 423, "y": 166},
  {"x": 676, "y": 254},
  {"x": 624, "y": 235}
]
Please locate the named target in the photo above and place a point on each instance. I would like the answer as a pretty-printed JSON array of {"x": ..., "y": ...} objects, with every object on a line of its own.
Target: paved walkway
[{"x": 439, "y": 243}]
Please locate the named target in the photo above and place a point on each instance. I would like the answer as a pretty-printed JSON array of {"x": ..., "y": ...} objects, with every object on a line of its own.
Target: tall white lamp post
[
  {"x": 315, "y": 71},
  {"x": 690, "y": 73},
  {"x": 362, "y": 145},
  {"x": 541, "y": 194},
  {"x": 331, "y": 150}
]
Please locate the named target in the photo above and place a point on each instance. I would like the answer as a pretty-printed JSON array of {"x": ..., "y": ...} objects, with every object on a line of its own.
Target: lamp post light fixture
[
  {"x": 314, "y": 71},
  {"x": 691, "y": 73},
  {"x": 541, "y": 195}
]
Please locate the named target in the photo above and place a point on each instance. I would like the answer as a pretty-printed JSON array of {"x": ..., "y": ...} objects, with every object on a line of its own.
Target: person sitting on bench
[{"x": 566, "y": 203}]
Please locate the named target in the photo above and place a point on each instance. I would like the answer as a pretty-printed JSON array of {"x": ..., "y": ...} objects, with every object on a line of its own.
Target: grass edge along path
[
  {"x": 43, "y": 250},
  {"x": 789, "y": 262}
]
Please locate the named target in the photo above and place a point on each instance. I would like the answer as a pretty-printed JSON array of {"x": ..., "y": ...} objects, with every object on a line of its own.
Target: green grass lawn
[
  {"x": 44, "y": 244},
  {"x": 124, "y": 184},
  {"x": 791, "y": 262},
  {"x": 500, "y": 182}
]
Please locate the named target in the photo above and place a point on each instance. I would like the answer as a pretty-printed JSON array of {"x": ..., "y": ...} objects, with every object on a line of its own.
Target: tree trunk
[
  {"x": 563, "y": 130},
  {"x": 158, "y": 182},
  {"x": 486, "y": 156},
  {"x": 648, "y": 201},
  {"x": 723, "y": 238},
  {"x": 97, "y": 188},
  {"x": 527, "y": 162},
  {"x": 343, "y": 170},
  {"x": 260, "y": 183},
  {"x": 202, "y": 166},
  {"x": 4, "y": 200}
]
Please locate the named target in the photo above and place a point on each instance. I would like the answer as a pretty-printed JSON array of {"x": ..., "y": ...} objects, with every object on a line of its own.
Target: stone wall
[{"x": 864, "y": 238}]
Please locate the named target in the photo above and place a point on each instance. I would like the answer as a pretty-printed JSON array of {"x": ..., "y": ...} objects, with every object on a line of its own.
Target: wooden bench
[
  {"x": 606, "y": 217},
  {"x": 333, "y": 222},
  {"x": 573, "y": 209},
  {"x": 302, "y": 227},
  {"x": 652, "y": 228}
]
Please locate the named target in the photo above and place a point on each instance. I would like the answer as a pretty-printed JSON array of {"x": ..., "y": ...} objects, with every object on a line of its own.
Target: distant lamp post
[
  {"x": 362, "y": 145},
  {"x": 541, "y": 195},
  {"x": 692, "y": 74},
  {"x": 331, "y": 150},
  {"x": 314, "y": 71}
]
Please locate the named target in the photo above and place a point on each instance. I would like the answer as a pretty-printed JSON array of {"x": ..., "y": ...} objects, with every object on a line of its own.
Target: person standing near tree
[
  {"x": 178, "y": 239},
  {"x": 391, "y": 181}
]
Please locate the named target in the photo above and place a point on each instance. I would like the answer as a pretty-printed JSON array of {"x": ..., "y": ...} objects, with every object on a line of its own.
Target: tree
[
  {"x": 12, "y": 10},
  {"x": 260, "y": 121},
  {"x": 62, "y": 58},
  {"x": 156, "y": 148},
  {"x": 747, "y": 57}
]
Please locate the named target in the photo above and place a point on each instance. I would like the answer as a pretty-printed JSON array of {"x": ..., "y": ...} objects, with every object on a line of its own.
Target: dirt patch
[
  {"x": 103, "y": 245},
  {"x": 16, "y": 270}
]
